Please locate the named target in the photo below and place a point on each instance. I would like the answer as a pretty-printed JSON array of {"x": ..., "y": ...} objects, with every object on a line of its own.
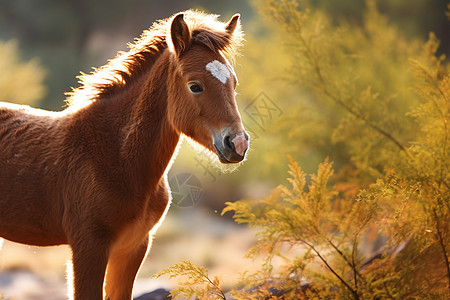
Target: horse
[{"x": 94, "y": 175}]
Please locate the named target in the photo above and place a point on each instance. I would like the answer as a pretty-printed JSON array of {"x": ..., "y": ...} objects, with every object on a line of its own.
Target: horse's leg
[
  {"x": 89, "y": 259},
  {"x": 123, "y": 265}
]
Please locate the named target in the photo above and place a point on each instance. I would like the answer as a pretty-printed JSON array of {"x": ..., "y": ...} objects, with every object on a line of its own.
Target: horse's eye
[{"x": 195, "y": 87}]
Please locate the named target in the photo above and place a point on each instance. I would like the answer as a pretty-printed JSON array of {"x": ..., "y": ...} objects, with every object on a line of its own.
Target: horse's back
[{"x": 25, "y": 134}]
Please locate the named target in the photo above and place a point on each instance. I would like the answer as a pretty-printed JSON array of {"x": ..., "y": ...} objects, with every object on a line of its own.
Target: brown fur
[{"x": 93, "y": 175}]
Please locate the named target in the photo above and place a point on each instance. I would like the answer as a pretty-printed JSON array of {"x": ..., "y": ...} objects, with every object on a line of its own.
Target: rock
[
  {"x": 159, "y": 294},
  {"x": 273, "y": 291}
]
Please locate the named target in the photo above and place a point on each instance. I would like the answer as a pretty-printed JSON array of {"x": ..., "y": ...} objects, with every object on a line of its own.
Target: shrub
[{"x": 20, "y": 82}]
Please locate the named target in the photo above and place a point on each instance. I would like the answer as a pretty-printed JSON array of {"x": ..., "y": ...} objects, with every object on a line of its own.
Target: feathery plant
[
  {"x": 386, "y": 102},
  {"x": 197, "y": 282}
]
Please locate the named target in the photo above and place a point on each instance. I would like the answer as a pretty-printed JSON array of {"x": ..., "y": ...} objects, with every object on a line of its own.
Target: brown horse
[{"x": 94, "y": 175}]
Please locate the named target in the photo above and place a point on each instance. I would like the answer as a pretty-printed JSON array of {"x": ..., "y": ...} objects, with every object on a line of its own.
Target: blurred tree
[
  {"x": 403, "y": 13},
  {"x": 353, "y": 109},
  {"x": 20, "y": 82}
]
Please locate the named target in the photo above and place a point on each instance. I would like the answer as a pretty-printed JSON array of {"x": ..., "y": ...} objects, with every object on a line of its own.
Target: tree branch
[
  {"x": 442, "y": 244},
  {"x": 355, "y": 272},
  {"x": 354, "y": 293}
]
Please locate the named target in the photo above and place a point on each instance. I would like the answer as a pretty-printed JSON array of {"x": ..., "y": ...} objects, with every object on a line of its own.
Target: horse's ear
[
  {"x": 180, "y": 37},
  {"x": 233, "y": 23}
]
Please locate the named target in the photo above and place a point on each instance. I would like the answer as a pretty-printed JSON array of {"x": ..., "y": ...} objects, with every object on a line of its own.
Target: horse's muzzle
[{"x": 231, "y": 148}]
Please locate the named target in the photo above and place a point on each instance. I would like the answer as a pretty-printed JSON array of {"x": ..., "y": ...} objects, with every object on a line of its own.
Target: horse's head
[{"x": 202, "y": 86}]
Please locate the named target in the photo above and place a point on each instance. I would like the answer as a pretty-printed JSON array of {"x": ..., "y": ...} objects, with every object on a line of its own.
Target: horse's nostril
[{"x": 228, "y": 143}]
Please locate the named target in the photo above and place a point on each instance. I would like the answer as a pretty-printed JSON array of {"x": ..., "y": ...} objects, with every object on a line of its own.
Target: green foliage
[
  {"x": 380, "y": 227},
  {"x": 20, "y": 82},
  {"x": 197, "y": 282},
  {"x": 355, "y": 77}
]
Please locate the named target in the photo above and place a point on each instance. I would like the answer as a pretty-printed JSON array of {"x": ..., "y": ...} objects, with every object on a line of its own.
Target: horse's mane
[{"x": 143, "y": 52}]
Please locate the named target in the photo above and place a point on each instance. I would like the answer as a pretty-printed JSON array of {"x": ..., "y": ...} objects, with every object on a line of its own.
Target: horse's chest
[
  {"x": 132, "y": 235},
  {"x": 146, "y": 221}
]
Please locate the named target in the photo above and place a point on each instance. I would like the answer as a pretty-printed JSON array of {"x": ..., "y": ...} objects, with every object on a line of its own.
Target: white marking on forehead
[{"x": 219, "y": 70}]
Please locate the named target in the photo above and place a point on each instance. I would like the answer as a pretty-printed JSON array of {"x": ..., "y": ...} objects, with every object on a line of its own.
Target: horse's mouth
[{"x": 223, "y": 158}]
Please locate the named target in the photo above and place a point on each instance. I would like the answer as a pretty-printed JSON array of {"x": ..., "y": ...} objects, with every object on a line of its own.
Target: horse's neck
[{"x": 147, "y": 139}]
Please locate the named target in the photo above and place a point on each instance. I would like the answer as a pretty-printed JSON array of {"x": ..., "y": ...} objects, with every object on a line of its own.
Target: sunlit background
[{"x": 45, "y": 44}]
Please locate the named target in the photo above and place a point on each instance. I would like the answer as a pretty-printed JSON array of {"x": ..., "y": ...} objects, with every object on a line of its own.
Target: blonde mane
[{"x": 205, "y": 29}]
